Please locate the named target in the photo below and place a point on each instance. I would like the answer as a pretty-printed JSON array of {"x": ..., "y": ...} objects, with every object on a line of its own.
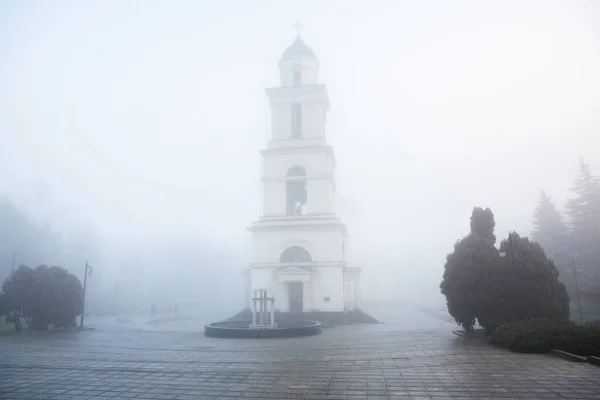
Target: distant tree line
[
  {"x": 572, "y": 239},
  {"x": 22, "y": 241},
  {"x": 26, "y": 240}
]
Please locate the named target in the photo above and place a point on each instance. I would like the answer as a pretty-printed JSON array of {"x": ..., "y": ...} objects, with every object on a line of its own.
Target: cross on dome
[
  {"x": 298, "y": 49},
  {"x": 298, "y": 25}
]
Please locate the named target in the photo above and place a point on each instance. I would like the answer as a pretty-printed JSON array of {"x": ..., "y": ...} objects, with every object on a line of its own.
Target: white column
[
  {"x": 353, "y": 295},
  {"x": 309, "y": 296},
  {"x": 248, "y": 293},
  {"x": 273, "y": 310},
  {"x": 304, "y": 296},
  {"x": 254, "y": 309}
]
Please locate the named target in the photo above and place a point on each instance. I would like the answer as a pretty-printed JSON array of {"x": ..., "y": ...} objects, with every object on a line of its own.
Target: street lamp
[
  {"x": 88, "y": 271},
  {"x": 512, "y": 251}
]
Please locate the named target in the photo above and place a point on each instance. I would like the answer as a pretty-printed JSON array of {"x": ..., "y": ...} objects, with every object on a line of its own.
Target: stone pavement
[
  {"x": 412, "y": 356},
  {"x": 185, "y": 322}
]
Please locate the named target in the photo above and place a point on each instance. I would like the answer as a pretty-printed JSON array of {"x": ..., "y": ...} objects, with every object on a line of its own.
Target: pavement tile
[{"x": 411, "y": 356}]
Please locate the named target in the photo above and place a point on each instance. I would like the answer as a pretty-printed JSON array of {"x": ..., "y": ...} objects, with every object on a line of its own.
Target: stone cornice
[
  {"x": 297, "y": 178},
  {"x": 297, "y": 149},
  {"x": 353, "y": 271},
  {"x": 309, "y": 216},
  {"x": 314, "y": 264},
  {"x": 303, "y": 93},
  {"x": 297, "y": 223}
]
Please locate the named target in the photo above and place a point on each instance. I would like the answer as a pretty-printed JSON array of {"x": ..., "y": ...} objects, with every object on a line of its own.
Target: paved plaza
[{"x": 413, "y": 355}]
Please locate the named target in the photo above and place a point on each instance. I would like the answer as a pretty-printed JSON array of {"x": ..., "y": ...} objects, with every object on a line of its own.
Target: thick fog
[{"x": 135, "y": 126}]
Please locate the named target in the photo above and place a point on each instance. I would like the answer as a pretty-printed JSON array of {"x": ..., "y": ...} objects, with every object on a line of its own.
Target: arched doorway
[
  {"x": 295, "y": 289},
  {"x": 295, "y": 296}
]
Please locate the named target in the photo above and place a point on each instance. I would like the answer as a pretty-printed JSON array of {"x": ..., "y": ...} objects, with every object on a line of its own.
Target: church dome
[{"x": 298, "y": 49}]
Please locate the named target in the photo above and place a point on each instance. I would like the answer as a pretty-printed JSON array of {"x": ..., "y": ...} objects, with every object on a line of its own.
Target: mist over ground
[{"x": 131, "y": 130}]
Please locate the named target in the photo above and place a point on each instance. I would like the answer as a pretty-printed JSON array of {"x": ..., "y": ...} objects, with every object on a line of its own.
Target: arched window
[
  {"x": 295, "y": 254},
  {"x": 297, "y": 78},
  {"x": 296, "y": 191},
  {"x": 296, "y": 170}
]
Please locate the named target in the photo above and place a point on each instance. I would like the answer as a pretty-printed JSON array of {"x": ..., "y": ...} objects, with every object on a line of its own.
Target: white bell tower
[{"x": 298, "y": 244}]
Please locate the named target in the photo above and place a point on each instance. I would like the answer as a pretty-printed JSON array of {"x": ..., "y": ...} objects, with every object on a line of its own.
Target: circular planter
[{"x": 240, "y": 329}]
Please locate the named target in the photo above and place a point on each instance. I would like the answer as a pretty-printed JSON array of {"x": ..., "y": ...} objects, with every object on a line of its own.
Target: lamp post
[{"x": 88, "y": 270}]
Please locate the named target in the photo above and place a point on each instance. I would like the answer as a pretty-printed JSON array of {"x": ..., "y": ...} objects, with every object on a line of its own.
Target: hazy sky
[{"x": 144, "y": 118}]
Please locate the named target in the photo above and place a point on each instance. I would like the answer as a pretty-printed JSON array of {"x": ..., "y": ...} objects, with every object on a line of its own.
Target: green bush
[
  {"x": 42, "y": 296},
  {"x": 542, "y": 335}
]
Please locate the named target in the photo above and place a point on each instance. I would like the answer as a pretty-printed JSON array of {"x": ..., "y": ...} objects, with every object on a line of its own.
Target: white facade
[{"x": 298, "y": 244}]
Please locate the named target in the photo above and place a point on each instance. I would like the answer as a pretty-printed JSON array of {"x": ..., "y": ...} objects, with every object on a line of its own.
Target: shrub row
[{"x": 542, "y": 335}]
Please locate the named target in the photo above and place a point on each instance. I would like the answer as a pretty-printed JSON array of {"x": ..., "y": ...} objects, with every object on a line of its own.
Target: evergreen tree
[
  {"x": 549, "y": 228},
  {"x": 464, "y": 272},
  {"x": 551, "y": 232},
  {"x": 584, "y": 219},
  {"x": 468, "y": 266},
  {"x": 524, "y": 286},
  {"x": 481, "y": 286},
  {"x": 482, "y": 224}
]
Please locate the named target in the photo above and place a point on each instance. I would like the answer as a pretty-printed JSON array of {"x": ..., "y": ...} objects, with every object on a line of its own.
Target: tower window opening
[
  {"x": 296, "y": 191},
  {"x": 296, "y": 120},
  {"x": 297, "y": 78},
  {"x": 296, "y": 170},
  {"x": 296, "y": 197}
]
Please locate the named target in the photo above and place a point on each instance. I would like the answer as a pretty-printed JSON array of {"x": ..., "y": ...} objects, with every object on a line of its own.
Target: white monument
[{"x": 298, "y": 244}]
